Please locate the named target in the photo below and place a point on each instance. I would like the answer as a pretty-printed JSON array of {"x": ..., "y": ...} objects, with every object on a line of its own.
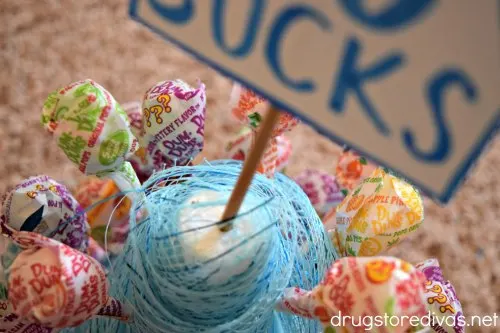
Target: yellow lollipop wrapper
[{"x": 375, "y": 216}]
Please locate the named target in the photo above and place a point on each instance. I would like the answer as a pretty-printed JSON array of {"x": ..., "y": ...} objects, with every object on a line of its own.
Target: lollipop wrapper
[
  {"x": 95, "y": 191},
  {"x": 12, "y": 323},
  {"x": 239, "y": 148},
  {"x": 89, "y": 126},
  {"x": 174, "y": 123},
  {"x": 124, "y": 177},
  {"x": 42, "y": 205},
  {"x": 321, "y": 189},
  {"x": 249, "y": 109},
  {"x": 92, "y": 129},
  {"x": 141, "y": 164},
  {"x": 359, "y": 287},
  {"x": 284, "y": 146},
  {"x": 134, "y": 114},
  {"x": 351, "y": 170},
  {"x": 53, "y": 285},
  {"x": 441, "y": 299},
  {"x": 9, "y": 321},
  {"x": 375, "y": 216}
]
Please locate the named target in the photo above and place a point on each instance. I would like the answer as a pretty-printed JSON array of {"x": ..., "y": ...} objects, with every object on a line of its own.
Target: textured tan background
[{"x": 46, "y": 44}]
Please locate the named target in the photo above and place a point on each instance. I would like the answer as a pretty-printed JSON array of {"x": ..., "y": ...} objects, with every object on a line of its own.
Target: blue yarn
[{"x": 170, "y": 292}]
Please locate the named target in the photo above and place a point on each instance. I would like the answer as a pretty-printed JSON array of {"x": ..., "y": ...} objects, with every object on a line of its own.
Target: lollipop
[
  {"x": 249, "y": 108},
  {"x": 351, "y": 170},
  {"x": 54, "y": 285},
  {"x": 93, "y": 131},
  {"x": 362, "y": 287},
  {"x": 92, "y": 193},
  {"x": 376, "y": 215},
  {"x": 321, "y": 188},
  {"x": 238, "y": 148},
  {"x": 141, "y": 164},
  {"x": 42, "y": 205},
  {"x": 173, "y": 123},
  {"x": 442, "y": 301}
]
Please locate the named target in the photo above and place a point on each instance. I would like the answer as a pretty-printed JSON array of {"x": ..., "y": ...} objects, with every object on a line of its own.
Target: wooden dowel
[{"x": 249, "y": 166}]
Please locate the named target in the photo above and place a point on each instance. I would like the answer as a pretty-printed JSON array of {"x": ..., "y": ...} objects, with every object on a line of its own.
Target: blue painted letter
[
  {"x": 437, "y": 87},
  {"x": 252, "y": 26},
  {"x": 401, "y": 13},
  {"x": 351, "y": 79},
  {"x": 283, "y": 22},
  {"x": 179, "y": 14}
]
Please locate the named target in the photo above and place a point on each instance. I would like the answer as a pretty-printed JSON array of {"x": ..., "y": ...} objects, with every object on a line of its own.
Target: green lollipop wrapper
[{"x": 93, "y": 131}]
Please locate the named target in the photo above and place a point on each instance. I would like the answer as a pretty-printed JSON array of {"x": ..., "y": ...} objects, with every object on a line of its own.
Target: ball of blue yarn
[{"x": 170, "y": 293}]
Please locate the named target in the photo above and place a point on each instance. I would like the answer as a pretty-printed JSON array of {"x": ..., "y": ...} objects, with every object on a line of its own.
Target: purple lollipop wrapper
[
  {"x": 321, "y": 188},
  {"x": 174, "y": 123},
  {"x": 441, "y": 299}
]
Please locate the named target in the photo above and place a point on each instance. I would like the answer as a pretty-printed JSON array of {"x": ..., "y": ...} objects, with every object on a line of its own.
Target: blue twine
[{"x": 170, "y": 290}]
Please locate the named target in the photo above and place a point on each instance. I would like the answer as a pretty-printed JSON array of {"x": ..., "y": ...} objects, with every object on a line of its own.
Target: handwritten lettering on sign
[{"x": 412, "y": 84}]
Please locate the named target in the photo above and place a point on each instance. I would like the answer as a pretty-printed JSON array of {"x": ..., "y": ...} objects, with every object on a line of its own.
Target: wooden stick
[{"x": 250, "y": 165}]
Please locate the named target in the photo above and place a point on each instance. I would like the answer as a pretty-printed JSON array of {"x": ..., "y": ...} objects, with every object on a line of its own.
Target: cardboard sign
[{"x": 412, "y": 84}]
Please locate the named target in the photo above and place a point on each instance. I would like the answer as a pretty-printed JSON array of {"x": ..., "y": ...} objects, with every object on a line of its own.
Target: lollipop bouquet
[{"x": 138, "y": 245}]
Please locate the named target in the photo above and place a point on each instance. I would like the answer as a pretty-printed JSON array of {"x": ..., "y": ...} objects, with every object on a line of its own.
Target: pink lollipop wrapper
[
  {"x": 359, "y": 287},
  {"x": 351, "y": 170},
  {"x": 141, "y": 164},
  {"x": 441, "y": 299},
  {"x": 239, "y": 147},
  {"x": 42, "y": 205},
  {"x": 93, "y": 130},
  {"x": 249, "y": 109},
  {"x": 284, "y": 146},
  {"x": 12, "y": 323},
  {"x": 9, "y": 321},
  {"x": 54, "y": 285},
  {"x": 321, "y": 189},
  {"x": 174, "y": 123}
]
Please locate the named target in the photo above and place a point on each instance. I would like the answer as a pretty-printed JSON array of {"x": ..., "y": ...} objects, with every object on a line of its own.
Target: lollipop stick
[{"x": 249, "y": 167}]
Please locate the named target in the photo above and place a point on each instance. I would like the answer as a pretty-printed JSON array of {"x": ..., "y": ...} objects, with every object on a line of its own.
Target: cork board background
[{"x": 48, "y": 43}]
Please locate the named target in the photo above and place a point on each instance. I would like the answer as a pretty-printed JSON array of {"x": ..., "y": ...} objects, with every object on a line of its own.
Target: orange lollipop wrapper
[
  {"x": 360, "y": 287},
  {"x": 249, "y": 109},
  {"x": 351, "y": 170},
  {"x": 115, "y": 210}
]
